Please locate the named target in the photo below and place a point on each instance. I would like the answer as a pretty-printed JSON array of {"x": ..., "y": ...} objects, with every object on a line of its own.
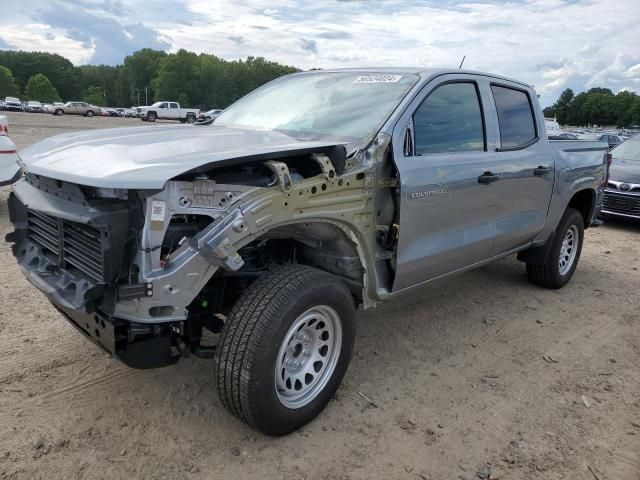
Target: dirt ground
[{"x": 480, "y": 374}]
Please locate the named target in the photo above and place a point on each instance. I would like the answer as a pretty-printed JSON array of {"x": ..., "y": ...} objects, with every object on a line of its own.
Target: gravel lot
[{"x": 480, "y": 373}]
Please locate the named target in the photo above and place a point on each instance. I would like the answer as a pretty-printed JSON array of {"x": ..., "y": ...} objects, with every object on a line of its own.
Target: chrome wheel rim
[
  {"x": 308, "y": 356},
  {"x": 568, "y": 250}
]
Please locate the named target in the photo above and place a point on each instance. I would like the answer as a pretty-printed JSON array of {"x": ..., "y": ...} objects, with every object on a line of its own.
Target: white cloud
[
  {"x": 42, "y": 38},
  {"x": 552, "y": 44}
]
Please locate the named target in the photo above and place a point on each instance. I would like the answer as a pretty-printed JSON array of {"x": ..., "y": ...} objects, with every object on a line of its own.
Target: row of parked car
[
  {"x": 58, "y": 108},
  {"x": 612, "y": 137},
  {"x": 163, "y": 110}
]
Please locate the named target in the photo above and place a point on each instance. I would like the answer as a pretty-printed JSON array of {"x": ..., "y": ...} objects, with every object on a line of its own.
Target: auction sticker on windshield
[{"x": 378, "y": 79}]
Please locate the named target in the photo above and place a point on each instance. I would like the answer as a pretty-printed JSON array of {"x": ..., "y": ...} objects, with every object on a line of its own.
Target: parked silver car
[
  {"x": 77, "y": 108},
  {"x": 622, "y": 195}
]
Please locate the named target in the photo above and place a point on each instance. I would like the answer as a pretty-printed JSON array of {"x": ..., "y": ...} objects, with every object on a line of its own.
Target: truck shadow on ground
[{"x": 421, "y": 329}]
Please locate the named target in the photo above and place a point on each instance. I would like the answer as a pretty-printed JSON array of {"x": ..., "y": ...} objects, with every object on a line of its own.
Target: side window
[
  {"x": 515, "y": 117},
  {"x": 163, "y": 105},
  {"x": 449, "y": 120},
  {"x": 173, "y": 105}
]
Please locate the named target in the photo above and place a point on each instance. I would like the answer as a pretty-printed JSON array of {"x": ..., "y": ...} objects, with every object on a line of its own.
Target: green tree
[
  {"x": 561, "y": 107},
  {"x": 178, "y": 78},
  {"x": 8, "y": 87},
  {"x": 139, "y": 69},
  {"x": 40, "y": 88},
  {"x": 622, "y": 104},
  {"x": 60, "y": 71},
  {"x": 597, "y": 106},
  {"x": 108, "y": 78},
  {"x": 634, "y": 111},
  {"x": 94, "y": 95}
]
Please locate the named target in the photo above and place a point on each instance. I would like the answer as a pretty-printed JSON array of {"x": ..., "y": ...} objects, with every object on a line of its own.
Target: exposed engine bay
[{"x": 145, "y": 271}]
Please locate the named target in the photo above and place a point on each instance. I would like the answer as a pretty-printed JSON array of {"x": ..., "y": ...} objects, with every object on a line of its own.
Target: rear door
[
  {"x": 174, "y": 110},
  {"x": 526, "y": 166},
  {"x": 448, "y": 178}
]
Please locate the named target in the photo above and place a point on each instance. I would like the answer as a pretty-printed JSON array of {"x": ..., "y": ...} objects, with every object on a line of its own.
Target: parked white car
[
  {"x": 9, "y": 169},
  {"x": 12, "y": 103},
  {"x": 168, "y": 111}
]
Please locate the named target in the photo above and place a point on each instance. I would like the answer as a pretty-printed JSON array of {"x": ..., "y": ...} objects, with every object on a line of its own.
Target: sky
[{"x": 551, "y": 44}]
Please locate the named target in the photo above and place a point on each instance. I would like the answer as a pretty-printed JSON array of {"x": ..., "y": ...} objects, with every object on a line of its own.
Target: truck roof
[{"x": 424, "y": 72}]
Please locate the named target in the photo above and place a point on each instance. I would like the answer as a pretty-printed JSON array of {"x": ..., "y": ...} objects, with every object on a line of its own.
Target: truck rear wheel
[
  {"x": 285, "y": 348},
  {"x": 191, "y": 118},
  {"x": 564, "y": 253}
]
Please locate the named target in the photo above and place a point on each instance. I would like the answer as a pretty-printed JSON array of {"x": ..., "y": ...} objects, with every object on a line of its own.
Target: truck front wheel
[
  {"x": 151, "y": 116},
  {"x": 285, "y": 348},
  {"x": 563, "y": 255}
]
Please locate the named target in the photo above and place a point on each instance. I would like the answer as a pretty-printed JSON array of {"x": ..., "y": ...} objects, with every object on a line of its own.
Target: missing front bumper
[{"x": 136, "y": 345}]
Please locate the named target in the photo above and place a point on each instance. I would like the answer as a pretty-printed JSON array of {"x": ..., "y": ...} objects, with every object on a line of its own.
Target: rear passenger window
[
  {"x": 515, "y": 117},
  {"x": 449, "y": 120}
]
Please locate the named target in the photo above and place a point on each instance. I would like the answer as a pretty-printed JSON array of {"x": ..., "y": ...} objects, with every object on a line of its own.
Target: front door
[{"x": 448, "y": 181}]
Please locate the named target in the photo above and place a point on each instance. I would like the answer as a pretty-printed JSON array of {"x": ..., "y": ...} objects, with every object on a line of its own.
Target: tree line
[
  {"x": 597, "y": 106},
  {"x": 203, "y": 81}
]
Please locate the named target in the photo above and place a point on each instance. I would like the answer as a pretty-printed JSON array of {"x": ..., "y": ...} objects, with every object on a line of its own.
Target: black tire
[
  {"x": 252, "y": 338},
  {"x": 89, "y": 113},
  {"x": 191, "y": 118},
  {"x": 151, "y": 117},
  {"x": 59, "y": 112},
  {"x": 550, "y": 275}
]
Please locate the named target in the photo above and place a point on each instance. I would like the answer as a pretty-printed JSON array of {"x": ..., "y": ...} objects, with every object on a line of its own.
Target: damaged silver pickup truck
[{"x": 253, "y": 241}]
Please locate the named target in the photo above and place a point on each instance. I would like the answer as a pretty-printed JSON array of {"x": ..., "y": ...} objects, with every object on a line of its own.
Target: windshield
[
  {"x": 349, "y": 106},
  {"x": 12, "y": 99},
  {"x": 628, "y": 150}
]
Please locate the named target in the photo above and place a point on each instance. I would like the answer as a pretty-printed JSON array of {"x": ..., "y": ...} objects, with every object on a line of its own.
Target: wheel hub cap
[
  {"x": 568, "y": 250},
  {"x": 308, "y": 356}
]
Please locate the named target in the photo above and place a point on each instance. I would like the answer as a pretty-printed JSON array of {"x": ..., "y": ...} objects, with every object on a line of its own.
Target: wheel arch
[
  {"x": 584, "y": 201},
  {"x": 329, "y": 245}
]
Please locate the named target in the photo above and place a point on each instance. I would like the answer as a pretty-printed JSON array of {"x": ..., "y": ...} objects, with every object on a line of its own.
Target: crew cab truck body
[
  {"x": 271, "y": 226},
  {"x": 168, "y": 111}
]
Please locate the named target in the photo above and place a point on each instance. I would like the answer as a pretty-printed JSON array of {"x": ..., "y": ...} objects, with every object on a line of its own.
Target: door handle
[
  {"x": 540, "y": 171},
  {"x": 488, "y": 177}
]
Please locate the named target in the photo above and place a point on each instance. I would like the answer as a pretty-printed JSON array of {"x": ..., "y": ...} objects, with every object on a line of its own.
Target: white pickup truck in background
[{"x": 167, "y": 111}]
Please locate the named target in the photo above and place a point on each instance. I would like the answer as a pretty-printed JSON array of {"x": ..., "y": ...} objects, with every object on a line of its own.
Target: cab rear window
[{"x": 515, "y": 117}]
